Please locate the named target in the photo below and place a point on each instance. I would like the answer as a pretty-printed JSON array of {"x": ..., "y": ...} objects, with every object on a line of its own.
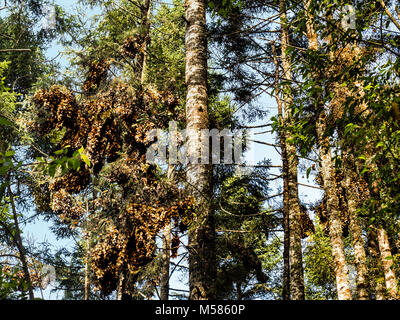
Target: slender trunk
[
  {"x": 202, "y": 258},
  {"x": 146, "y": 25},
  {"x": 375, "y": 265},
  {"x": 126, "y": 287},
  {"x": 120, "y": 286},
  {"x": 327, "y": 172},
  {"x": 20, "y": 246},
  {"x": 87, "y": 253},
  {"x": 383, "y": 244},
  {"x": 87, "y": 268},
  {"x": 332, "y": 207},
  {"x": 141, "y": 57},
  {"x": 166, "y": 252},
  {"x": 294, "y": 215},
  {"x": 360, "y": 255},
  {"x": 356, "y": 231},
  {"x": 285, "y": 173},
  {"x": 387, "y": 262}
]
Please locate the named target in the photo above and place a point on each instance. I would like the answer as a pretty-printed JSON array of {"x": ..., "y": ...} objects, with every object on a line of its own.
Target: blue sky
[{"x": 40, "y": 230}]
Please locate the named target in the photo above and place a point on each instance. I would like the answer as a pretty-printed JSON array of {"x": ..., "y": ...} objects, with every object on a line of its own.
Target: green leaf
[
  {"x": 308, "y": 172},
  {"x": 4, "y": 169},
  {"x": 52, "y": 170},
  {"x": 59, "y": 152},
  {"x": 9, "y": 153},
  {"x": 3, "y": 188},
  {"x": 70, "y": 164},
  {"x": 5, "y": 122},
  {"x": 85, "y": 159}
]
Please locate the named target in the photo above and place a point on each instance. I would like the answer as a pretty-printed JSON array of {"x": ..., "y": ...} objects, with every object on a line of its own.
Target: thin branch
[
  {"x": 265, "y": 143},
  {"x": 309, "y": 186},
  {"x": 397, "y": 24},
  {"x": 183, "y": 256},
  {"x": 15, "y": 50},
  {"x": 179, "y": 290},
  {"x": 255, "y": 127}
]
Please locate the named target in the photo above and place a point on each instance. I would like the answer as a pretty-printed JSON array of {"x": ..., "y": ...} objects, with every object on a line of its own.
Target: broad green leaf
[
  {"x": 5, "y": 122},
  {"x": 52, "y": 170},
  {"x": 59, "y": 152},
  {"x": 85, "y": 159}
]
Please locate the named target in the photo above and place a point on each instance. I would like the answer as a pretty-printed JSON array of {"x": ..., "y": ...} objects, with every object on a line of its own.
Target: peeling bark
[
  {"x": 335, "y": 225},
  {"x": 387, "y": 262},
  {"x": 376, "y": 264},
  {"x": 329, "y": 183}
]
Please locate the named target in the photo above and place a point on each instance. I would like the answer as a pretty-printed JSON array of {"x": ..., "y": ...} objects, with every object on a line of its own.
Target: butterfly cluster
[{"x": 135, "y": 203}]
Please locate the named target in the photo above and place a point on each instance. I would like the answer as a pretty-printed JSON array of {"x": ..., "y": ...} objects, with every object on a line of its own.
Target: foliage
[{"x": 319, "y": 267}]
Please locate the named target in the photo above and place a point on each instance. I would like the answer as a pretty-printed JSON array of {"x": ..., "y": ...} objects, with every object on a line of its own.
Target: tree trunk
[
  {"x": 146, "y": 16},
  {"x": 294, "y": 215},
  {"x": 166, "y": 254},
  {"x": 87, "y": 268},
  {"x": 375, "y": 265},
  {"x": 166, "y": 251},
  {"x": 384, "y": 245},
  {"x": 332, "y": 207},
  {"x": 285, "y": 173},
  {"x": 202, "y": 258},
  {"x": 120, "y": 286},
  {"x": 329, "y": 183},
  {"x": 349, "y": 184},
  {"x": 144, "y": 30},
  {"x": 360, "y": 255},
  {"x": 87, "y": 235},
  {"x": 20, "y": 246},
  {"x": 387, "y": 262}
]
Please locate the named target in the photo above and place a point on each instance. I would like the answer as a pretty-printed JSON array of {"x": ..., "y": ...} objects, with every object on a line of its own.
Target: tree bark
[
  {"x": 294, "y": 215},
  {"x": 332, "y": 207},
  {"x": 376, "y": 264},
  {"x": 87, "y": 268},
  {"x": 120, "y": 286},
  {"x": 387, "y": 262},
  {"x": 166, "y": 252},
  {"x": 144, "y": 31},
  {"x": 328, "y": 175},
  {"x": 356, "y": 232},
  {"x": 20, "y": 246},
  {"x": 285, "y": 174},
  {"x": 202, "y": 258},
  {"x": 146, "y": 16},
  {"x": 360, "y": 255}
]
